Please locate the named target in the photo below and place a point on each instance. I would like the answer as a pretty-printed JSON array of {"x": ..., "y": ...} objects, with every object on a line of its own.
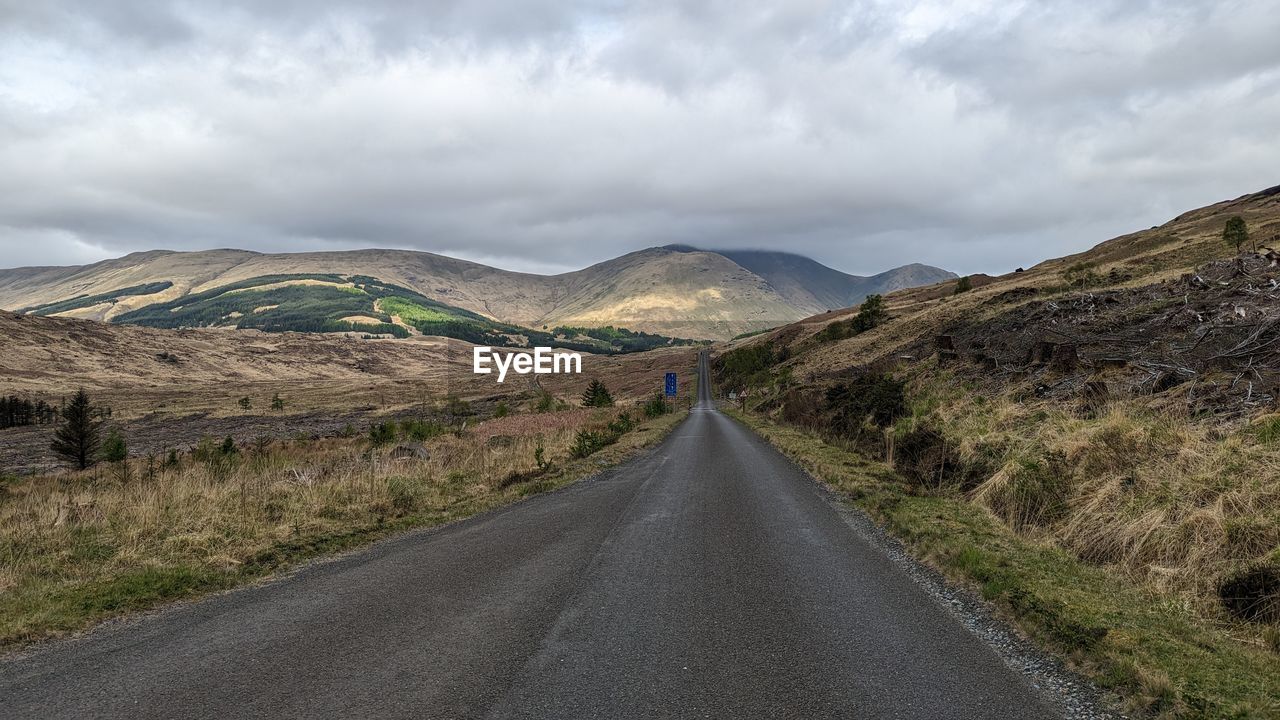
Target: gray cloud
[{"x": 974, "y": 135}]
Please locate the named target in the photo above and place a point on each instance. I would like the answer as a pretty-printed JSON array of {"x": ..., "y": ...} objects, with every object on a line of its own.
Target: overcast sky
[{"x": 546, "y": 135}]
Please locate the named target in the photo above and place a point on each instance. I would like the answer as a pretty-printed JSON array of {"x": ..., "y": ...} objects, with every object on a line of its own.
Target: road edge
[
  {"x": 344, "y": 547},
  {"x": 1069, "y": 692}
]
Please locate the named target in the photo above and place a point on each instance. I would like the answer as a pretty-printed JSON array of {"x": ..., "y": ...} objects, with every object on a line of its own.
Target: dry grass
[
  {"x": 1169, "y": 502},
  {"x": 80, "y": 546}
]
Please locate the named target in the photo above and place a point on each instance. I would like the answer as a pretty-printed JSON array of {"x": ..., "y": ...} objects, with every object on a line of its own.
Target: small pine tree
[
  {"x": 114, "y": 448},
  {"x": 546, "y": 403},
  {"x": 1236, "y": 233},
  {"x": 597, "y": 395},
  {"x": 963, "y": 285},
  {"x": 116, "y": 452},
  {"x": 79, "y": 433},
  {"x": 540, "y": 456},
  {"x": 277, "y": 403}
]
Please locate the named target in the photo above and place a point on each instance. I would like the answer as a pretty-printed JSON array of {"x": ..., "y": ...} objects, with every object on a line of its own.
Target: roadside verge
[
  {"x": 1148, "y": 648},
  {"x": 82, "y": 548}
]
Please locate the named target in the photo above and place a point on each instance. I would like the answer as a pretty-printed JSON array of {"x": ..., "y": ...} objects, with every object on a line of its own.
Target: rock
[{"x": 410, "y": 451}]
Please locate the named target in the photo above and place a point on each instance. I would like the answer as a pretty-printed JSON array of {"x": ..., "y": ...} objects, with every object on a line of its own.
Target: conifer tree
[
  {"x": 115, "y": 449},
  {"x": 597, "y": 395},
  {"x": 79, "y": 432}
]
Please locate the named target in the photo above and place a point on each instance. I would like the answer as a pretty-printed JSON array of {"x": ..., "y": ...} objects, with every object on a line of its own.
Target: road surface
[{"x": 707, "y": 578}]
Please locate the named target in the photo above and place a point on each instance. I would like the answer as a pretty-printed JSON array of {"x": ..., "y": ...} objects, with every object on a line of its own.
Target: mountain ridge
[{"x": 684, "y": 292}]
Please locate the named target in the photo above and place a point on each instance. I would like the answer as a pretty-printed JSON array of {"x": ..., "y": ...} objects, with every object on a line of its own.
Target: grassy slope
[
  {"x": 1150, "y": 256},
  {"x": 1150, "y": 647},
  {"x": 81, "y": 548}
]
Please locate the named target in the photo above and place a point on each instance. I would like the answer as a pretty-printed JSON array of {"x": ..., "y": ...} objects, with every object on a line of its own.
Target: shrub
[
  {"x": 419, "y": 430},
  {"x": 546, "y": 403},
  {"x": 804, "y": 407},
  {"x": 622, "y": 424},
  {"x": 218, "y": 457},
  {"x": 458, "y": 407},
  {"x": 502, "y": 410},
  {"x": 277, "y": 402},
  {"x": 963, "y": 285},
  {"x": 585, "y": 443},
  {"x": 924, "y": 457},
  {"x": 871, "y": 314},
  {"x": 656, "y": 406},
  {"x": 588, "y": 442},
  {"x": 383, "y": 433},
  {"x": 872, "y": 398},
  {"x": 749, "y": 366},
  {"x": 245, "y": 403}
]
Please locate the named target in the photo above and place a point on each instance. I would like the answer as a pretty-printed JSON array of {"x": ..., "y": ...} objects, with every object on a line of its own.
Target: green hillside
[{"x": 332, "y": 303}]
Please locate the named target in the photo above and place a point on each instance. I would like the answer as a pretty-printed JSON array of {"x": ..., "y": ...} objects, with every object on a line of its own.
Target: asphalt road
[{"x": 707, "y": 578}]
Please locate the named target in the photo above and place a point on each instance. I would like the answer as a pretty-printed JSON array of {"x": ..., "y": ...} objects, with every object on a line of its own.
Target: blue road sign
[{"x": 671, "y": 384}]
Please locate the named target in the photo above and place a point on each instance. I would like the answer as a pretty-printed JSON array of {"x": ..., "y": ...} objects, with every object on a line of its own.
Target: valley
[
  {"x": 623, "y": 360},
  {"x": 1088, "y": 444}
]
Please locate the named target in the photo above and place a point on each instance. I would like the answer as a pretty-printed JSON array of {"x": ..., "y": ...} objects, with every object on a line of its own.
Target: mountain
[
  {"x": 806, "y": 282},
  {"x": 674, "y": 291}
]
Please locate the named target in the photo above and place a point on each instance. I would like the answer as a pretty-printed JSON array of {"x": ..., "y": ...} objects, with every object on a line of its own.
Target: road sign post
[{"x": 671, "y": 385}]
